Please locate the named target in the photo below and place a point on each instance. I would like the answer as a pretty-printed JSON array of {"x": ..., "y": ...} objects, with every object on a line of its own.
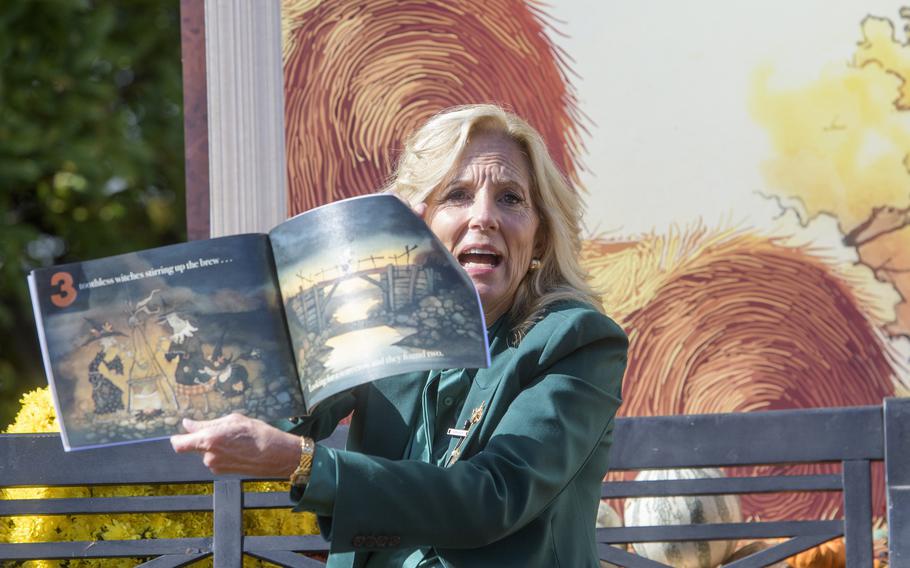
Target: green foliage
[{"x": 91, "y": 149}]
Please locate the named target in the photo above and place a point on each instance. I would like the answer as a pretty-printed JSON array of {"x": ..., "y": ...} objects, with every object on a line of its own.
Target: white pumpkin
[
  {"x": 607, "y": 518},
  {"x": 695, "y": 509}
]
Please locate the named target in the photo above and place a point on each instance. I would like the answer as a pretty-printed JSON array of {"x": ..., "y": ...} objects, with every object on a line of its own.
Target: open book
[{"x": 268, "y": 325}]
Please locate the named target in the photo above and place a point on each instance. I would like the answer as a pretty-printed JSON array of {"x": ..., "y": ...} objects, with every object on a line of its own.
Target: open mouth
[{"x": 479, "y": 258}]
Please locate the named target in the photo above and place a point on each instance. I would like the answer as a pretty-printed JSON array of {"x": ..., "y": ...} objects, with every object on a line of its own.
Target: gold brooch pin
[
  {"x": 477, "y": 413},
  {"x": 462, "y": 433}
]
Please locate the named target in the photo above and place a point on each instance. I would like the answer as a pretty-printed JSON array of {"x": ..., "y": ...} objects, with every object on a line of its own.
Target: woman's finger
[
  {"x": 192, "y": 425},
  {"x": 199, "y": 434},
  {"x": 187, "y": 443}
]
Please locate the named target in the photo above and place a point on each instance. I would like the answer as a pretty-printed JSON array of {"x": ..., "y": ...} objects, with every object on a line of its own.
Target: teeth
[{"x": 477, "y": 251}]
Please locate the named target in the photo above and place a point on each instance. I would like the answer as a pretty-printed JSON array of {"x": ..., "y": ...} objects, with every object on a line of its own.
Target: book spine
[{"x": 276, "y": 282}]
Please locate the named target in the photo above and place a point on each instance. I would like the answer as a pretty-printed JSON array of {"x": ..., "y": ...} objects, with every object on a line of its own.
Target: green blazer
[{"x": 526, "y": 488}]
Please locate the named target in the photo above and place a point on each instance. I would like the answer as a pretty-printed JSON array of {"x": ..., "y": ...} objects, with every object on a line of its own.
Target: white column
[{"x": 245, "y": 85}]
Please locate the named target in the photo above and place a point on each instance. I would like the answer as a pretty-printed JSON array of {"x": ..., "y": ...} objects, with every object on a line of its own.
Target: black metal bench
[{"x": 854, "y": 437}]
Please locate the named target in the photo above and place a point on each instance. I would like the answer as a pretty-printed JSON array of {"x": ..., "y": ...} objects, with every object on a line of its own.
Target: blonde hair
[{"x": 429, "y": 159}]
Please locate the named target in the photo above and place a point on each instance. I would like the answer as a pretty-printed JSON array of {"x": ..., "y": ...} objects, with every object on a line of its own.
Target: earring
[{"x": 535, "y": 263}]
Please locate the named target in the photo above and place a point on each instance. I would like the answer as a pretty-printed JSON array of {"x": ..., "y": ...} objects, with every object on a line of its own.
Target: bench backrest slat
[
  {"x": 173, "y": 560},
  {"x": 101, "y": 505},
  {"x": 721, "y": 486},
  {"x": 721, "y": 531},
  {"x": 39, "y": 459},
  {"x": 777, "y": 437},
  {"x": 105, "y": 548},
  {"x": 303, "y": 542}
]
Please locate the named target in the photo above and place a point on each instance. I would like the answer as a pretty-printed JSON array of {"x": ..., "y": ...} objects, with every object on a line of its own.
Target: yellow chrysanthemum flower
[{"x": 37, "y": 415}]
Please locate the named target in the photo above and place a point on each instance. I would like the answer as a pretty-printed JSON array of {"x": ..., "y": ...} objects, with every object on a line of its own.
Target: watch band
[{"x": 301, "y": 475}]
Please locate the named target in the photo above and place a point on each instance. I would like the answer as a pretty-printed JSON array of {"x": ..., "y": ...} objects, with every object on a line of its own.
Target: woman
[{"x": 467, "y": 467}]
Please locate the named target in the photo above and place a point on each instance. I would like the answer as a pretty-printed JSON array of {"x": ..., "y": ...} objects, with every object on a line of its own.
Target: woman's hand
[{"x": 238, "y": 444}]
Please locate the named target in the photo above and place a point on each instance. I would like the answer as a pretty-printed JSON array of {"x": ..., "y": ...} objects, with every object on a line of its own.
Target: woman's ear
[{"x": 539, "y": 246}]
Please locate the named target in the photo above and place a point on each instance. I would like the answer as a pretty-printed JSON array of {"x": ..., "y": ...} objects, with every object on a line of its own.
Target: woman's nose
[{"x": 484, "y": 215}]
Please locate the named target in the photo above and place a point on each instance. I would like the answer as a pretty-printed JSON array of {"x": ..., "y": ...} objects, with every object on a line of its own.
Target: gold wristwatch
[{"x": 301, "y": 475}]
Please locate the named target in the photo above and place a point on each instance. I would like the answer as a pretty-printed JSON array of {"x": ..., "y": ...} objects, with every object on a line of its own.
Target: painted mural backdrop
[{"x": 746, "y": 169}]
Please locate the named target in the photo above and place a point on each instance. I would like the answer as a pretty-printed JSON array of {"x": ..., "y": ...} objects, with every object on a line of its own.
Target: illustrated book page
[
  {"x": 370, "y": 292},
  {"x": 134, "y": 343}
]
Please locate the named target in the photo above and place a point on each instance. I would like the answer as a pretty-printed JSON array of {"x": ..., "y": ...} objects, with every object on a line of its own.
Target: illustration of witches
[
  {"x": 147, "y": 380},
  {"x": 106, "y": 396},
  {"x": 231, "y": 377},
  {"x": 186, "y": 347}
]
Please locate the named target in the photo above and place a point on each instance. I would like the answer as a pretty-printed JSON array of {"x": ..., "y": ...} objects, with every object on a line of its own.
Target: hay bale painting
[
  {"x": 360, "y": 75},
  {"x": 721, "y": 320},
  {"x": 733, "y": 322}
]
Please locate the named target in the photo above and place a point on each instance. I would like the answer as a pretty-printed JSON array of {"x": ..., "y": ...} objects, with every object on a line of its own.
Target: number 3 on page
[{"x": 67, "y": 293}]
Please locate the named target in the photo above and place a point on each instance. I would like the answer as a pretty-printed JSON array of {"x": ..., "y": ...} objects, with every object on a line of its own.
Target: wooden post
[
  {"x": 897, "y": 478},
  {"x": 318, "y": 306},
  {"x": 412, "y": 285},
  {"x": 390, "y": 281}
]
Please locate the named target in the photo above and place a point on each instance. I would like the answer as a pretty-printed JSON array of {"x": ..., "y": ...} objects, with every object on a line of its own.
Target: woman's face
[{"x": 486, "y": 219}]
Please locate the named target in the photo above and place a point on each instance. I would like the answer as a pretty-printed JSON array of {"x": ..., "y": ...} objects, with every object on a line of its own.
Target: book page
[
  {"x": 134, "y": 343},
  {"x": 370, "y": 292}
]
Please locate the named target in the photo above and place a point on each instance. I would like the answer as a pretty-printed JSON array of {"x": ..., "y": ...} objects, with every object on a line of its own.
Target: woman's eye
[
  {"x": 456, "y": 195},
  {"x": 512, "y": 198}
]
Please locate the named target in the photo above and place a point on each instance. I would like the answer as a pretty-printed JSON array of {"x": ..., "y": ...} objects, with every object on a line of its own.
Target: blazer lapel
[{"x": 482, "y": 396}]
